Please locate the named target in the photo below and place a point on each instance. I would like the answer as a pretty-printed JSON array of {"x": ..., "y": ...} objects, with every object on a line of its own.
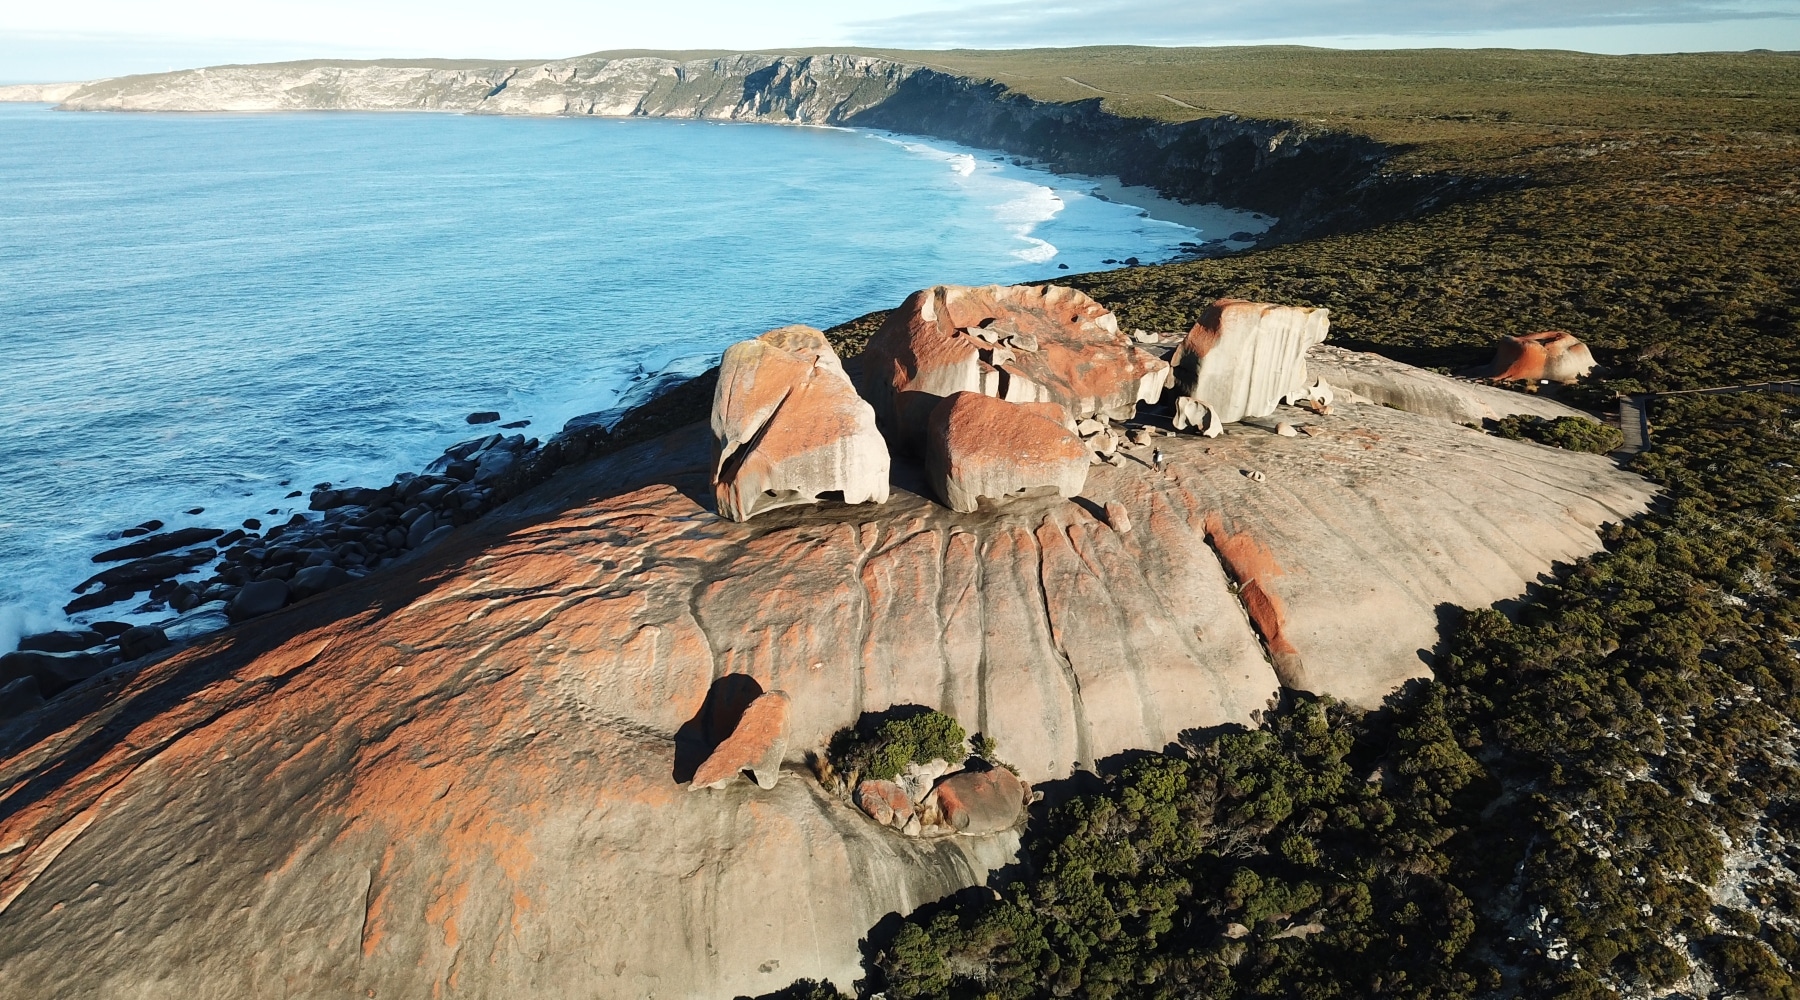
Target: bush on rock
[{"x": 882, "y": 749}]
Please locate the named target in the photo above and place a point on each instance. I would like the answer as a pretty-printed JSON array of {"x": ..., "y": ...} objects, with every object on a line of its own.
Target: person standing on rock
[{"x": 1156, "y": 460}]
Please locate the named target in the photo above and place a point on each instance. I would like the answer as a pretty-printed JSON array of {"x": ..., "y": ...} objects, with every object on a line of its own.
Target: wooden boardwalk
[{"x": 1634, "y": 410}]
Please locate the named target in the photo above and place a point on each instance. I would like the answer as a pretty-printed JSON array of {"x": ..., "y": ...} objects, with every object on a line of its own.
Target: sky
[{"x": 45, "y": 42}]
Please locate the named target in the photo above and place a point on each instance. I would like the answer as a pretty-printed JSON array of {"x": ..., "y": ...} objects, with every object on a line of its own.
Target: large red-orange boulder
[
  {"x": 885, "y": 802},
  {"x": 1552, "y": 355},
  {"x": 981, "y": 802},
  {"x": 757, "y": 745},
  {"x": 1243, "y": 358},
  {"x": 980, "y": 446},
  {"x": 1021, "y": 343},
  {"x": 790, "y": 427}
]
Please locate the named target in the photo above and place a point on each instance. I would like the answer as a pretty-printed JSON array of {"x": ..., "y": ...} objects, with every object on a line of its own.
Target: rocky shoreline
[{"x": 253, "y": 569}]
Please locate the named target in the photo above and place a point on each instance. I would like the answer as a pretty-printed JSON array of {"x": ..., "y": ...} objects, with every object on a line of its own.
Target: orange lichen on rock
[
  {"x": 757, "y": 745},
  {"x": 885, "y": 802},
  {"x": 1552, "y": 355},
  {"x": 1254, "y": 568},
  {"x": 980, "y": 446},
  {"x": 790, "y": 427},
  {"x": 975, "y": 803},
  {"x": 1023, "y": 343}
]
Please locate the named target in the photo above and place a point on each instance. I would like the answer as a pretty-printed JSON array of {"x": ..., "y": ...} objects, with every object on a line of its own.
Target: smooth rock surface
[
  {"x": 790, "y": 426},
  {"x": 459, "y": 776},
  {"x": 1020, "y": 343},
  {"x": 1552, "y": 355},
  {"x": 979, "y": 446},
  {"x": 1243, "y": 358},
  {"x": 1415, "y": 390}
]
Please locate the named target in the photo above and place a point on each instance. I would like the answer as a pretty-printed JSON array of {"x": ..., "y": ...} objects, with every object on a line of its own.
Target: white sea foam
[
  {"x": 1039, "y": 252},
  {"x": 1019, "y": 205}
]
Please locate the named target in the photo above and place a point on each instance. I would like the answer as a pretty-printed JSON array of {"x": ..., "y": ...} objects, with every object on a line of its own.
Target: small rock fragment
[
  {"x": 1118, "y": 517},
  {"x": 1286, "y": 429}
]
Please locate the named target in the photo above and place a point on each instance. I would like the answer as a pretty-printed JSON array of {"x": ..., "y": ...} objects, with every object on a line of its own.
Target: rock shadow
[{"x": 718, "y": 716}]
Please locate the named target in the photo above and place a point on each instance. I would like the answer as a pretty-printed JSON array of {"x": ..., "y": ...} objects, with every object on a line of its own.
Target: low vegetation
[
  {"x": 1572, "y": 433},
  {"x": 881, "y": 747}
]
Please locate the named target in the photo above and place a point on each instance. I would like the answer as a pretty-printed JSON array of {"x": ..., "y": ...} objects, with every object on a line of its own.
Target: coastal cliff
[
  {"x": 466, "y": 774},
  {"x": 1314, "y": 180}
]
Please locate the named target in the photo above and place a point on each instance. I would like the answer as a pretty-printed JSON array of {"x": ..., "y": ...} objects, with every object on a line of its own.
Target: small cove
[{"x": 213, "y": 311}]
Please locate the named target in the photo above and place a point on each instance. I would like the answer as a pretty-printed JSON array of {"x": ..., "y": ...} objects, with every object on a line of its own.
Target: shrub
[
  {"x": 1570, "y": 433},
  {"x": 882, "y": 748}
]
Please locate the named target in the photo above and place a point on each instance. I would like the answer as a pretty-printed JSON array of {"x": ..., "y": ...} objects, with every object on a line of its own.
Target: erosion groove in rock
[
  {"x": 465, "y": 775},
  {"x": 1314, "y": 180}
]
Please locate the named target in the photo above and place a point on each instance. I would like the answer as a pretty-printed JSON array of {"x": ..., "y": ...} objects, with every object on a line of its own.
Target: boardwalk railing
[{"x": 1634, "y": 410}]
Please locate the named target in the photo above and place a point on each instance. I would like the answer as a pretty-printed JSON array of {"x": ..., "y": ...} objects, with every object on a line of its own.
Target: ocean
[{"x": 209, "y": 312}]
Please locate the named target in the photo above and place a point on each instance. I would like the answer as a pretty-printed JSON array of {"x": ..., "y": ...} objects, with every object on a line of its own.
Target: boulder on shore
[
  {"x": 1023, "y": 344},
  {"x": 1551, "y": 355},
  {"x": 757, "y": 745},
  {"x": 790, "y": 427},
  {"x": 980, "y": 446},
  {"x": 1243, "y": 358}
]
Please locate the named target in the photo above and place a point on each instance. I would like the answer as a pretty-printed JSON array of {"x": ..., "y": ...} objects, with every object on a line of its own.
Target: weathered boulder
[
  {"x": 55, "y": 672},
  {"x": 1022, "y": 343},
  {"x": 981, "y": 446},
  {"x": 885, "y": 802},
  {"x": 757, "y": 745},
  {"x": 318, "y": 579},
  {"x": 976, "y": 803},
  {"x": 67, "y": 641},
  {"x": 141, "y": 640},
  {"x": 1552, "y": 355},
  {"x": 1243, "y": 358},
  {"x": 790, "y": 427},
  {"x": 258, "y": 598}
]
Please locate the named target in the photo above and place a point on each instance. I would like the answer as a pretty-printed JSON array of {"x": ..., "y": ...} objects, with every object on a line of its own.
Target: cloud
[{"x": 1015, "y": 23}]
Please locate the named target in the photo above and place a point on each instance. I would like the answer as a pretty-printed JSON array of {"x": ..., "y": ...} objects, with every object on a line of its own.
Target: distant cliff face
[
  {"x": 39, "y": 92},
  {"x": 813, "y": 90},
  {"x": 1315, "y": 181}
]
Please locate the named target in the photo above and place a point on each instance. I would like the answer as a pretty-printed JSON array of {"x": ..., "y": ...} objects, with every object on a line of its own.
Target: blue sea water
[{"x": 209, "y": 311}]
